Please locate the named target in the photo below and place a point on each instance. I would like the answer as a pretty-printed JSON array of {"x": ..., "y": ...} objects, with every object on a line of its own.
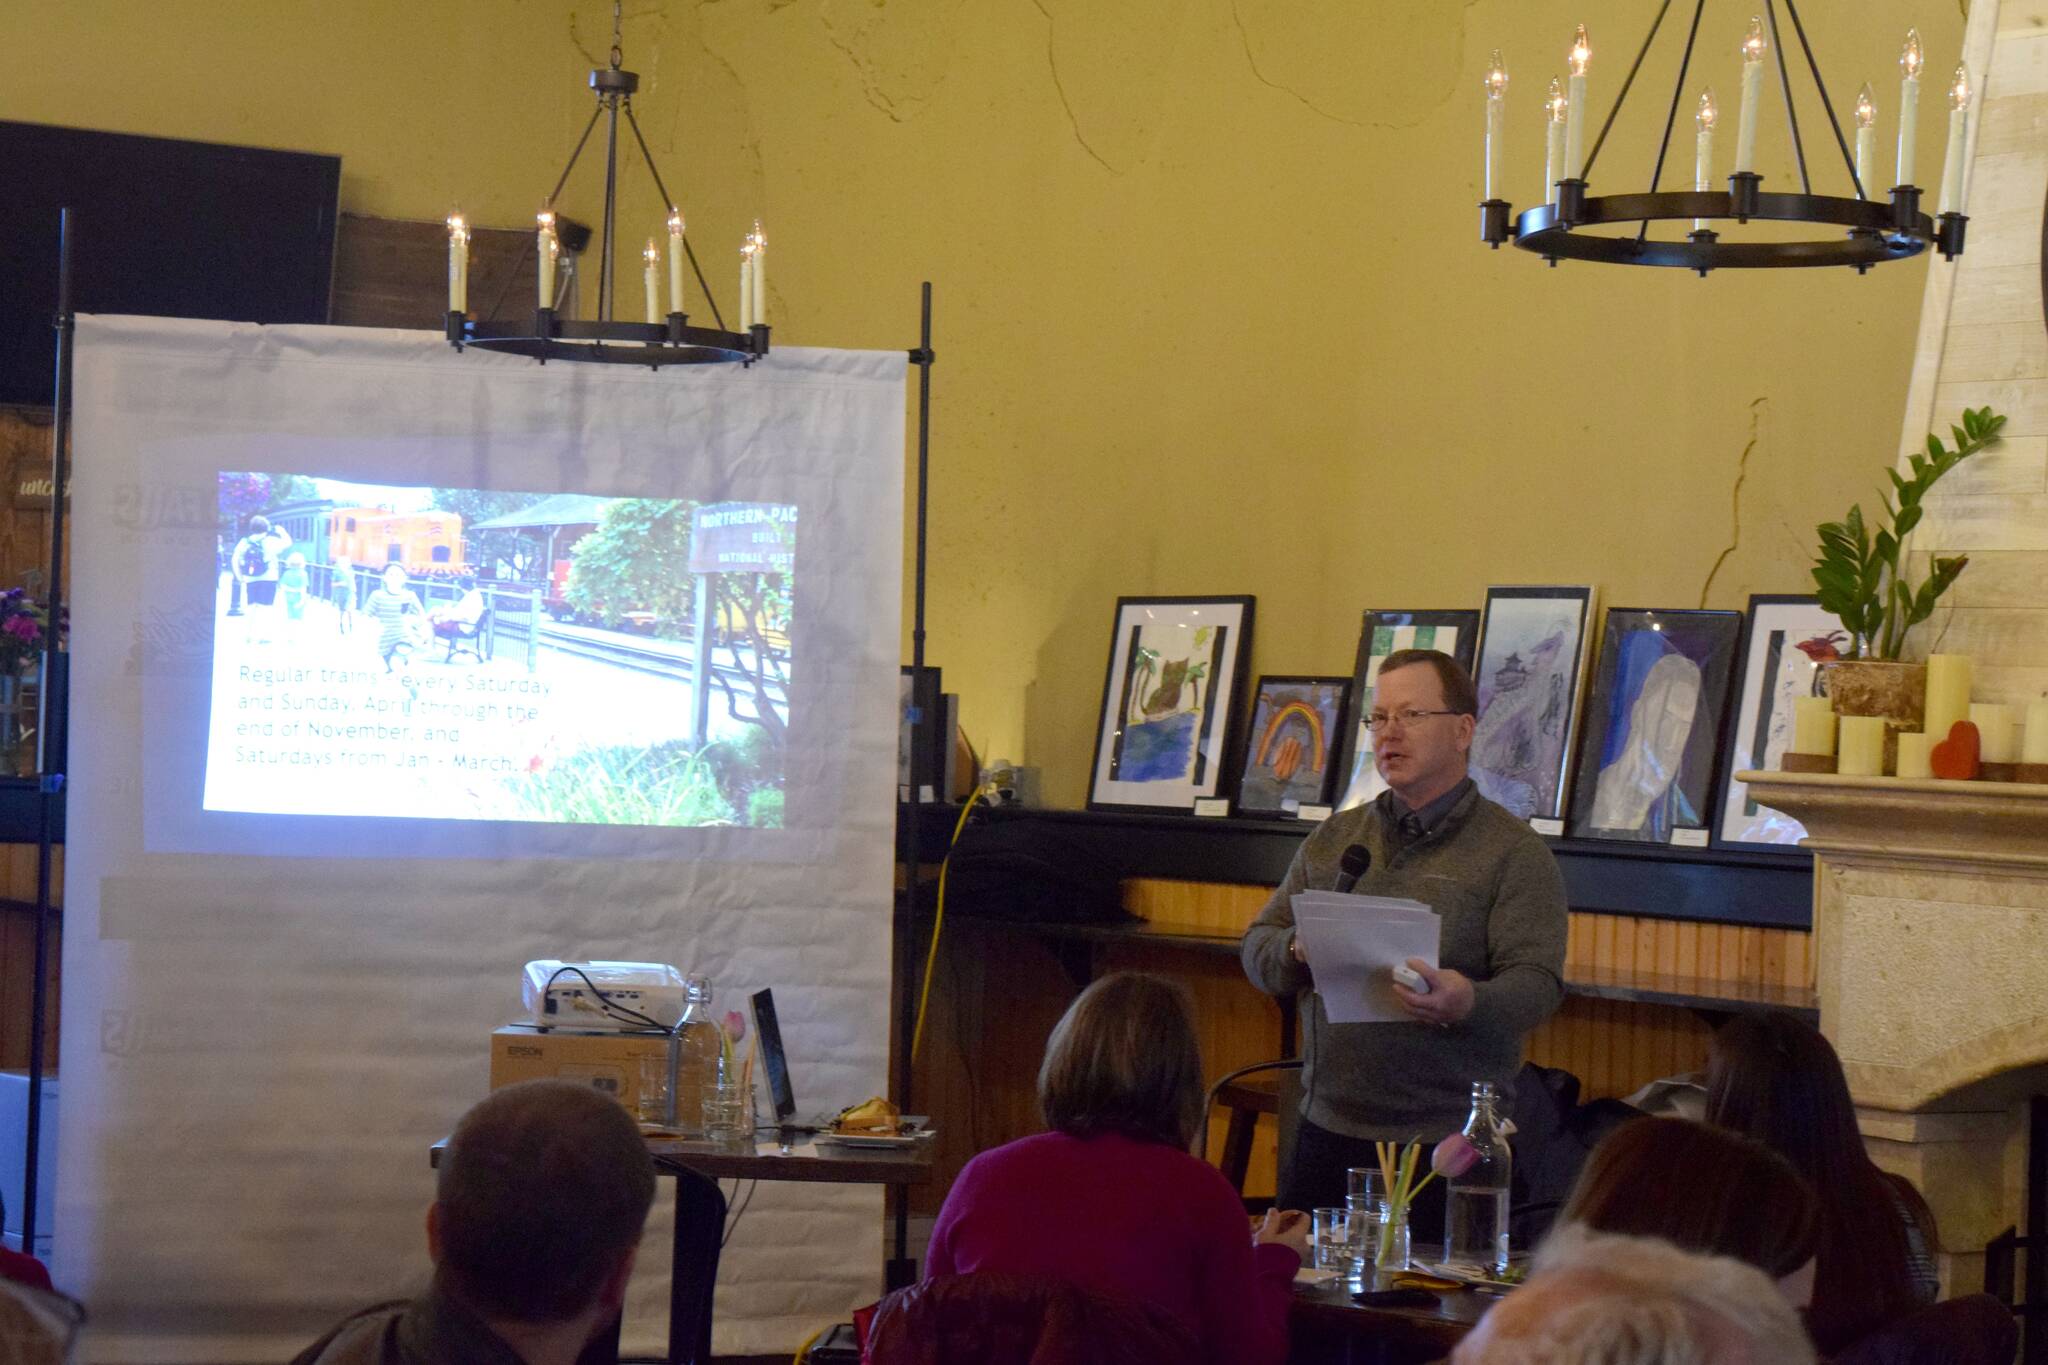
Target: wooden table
[
  {"x": 691, "y": 1273},
  {"x": 1329, "y": 1329}
]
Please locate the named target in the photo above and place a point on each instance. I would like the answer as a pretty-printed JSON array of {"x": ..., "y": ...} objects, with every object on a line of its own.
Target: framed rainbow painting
[{"x": 1290, "y": 758}]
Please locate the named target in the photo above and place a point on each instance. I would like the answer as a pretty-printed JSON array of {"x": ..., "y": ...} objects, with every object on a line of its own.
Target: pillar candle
[
  {"x": 746, "y": 287},
  {"x": 2035, "y": 750},
  {"x": 458, "y": 264},
  {"x": 759, "y": 313},
  {"x": 1866, "y": 140},
  {"x": 1554, "y": 109},
  {"x": 1994, "y": 722},
  {"x": 547, "y": 248},
  {"x": 1910, "y": 61},
  {"x": 1703, "y": 153},
  {"x": 1813, "y": 725},
  {"x": 675, "y": 260},
  {"x": 1496, "y": 85},
  {"x": 1916, "y": 748},
  {"x": 652, "y": 276},
  {"x": 1752, "y": 93},
  {"x": 1948, "y": 693},
  {"x": 1862, "y": 749},
  {"x": 1575, "y": 108},
  {"x": 1958, "y": 125}
]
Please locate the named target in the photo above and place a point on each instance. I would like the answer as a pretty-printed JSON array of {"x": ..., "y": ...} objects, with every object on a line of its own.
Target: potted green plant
[{"x": 1864, "y": 576}]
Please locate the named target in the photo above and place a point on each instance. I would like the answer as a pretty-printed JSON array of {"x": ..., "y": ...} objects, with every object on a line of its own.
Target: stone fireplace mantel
[{"x": 1930, "y": 920}]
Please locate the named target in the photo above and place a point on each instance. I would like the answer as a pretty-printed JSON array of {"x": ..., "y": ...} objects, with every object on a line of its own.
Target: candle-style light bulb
[
  {"x": 746, "y": 283},
  {"x": 1911, "y": 59},
  {"x": 1753, "y": 47},
  {"x": 1576, "y": 61},
  {"x": 1495, "y": 83},
  {"x": 651, "y": 259},
  {"x": 758, "y": 314},
  {"x": 1555, "y": 106},
  {"x": 675, "y": 259},
  {"x": 1958, "y": 126},
  {"x": 1866, "y": 138},
  {"x": 1703, "y": 154},
  {"x": 458, "y": 263},
  {"x": 548, "y": 249}
]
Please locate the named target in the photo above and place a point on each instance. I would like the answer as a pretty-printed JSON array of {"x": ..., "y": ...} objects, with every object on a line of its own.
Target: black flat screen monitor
[{"x": 161, "y": 226}]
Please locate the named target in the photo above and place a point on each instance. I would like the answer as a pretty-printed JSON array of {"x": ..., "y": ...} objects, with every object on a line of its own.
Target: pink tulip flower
[
  {"x": 735, "y": 1026},
  {"x": 1454, "y": 1156}
]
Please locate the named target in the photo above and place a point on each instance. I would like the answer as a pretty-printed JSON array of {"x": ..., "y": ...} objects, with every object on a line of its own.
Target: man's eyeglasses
[{"x": 1378, "y": 721}]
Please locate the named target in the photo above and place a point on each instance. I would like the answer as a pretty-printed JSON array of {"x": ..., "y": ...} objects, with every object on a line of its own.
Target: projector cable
[{"x": 623, "y": 1013}]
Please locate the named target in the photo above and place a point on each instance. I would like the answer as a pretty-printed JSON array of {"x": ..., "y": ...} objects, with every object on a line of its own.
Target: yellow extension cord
[
  {"x": 924, "y": 994},
  {"x": 931, "y": 956}
]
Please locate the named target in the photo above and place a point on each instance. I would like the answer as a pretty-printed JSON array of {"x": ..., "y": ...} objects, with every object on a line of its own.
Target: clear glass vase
[{"x": 1392, "y": 1251}]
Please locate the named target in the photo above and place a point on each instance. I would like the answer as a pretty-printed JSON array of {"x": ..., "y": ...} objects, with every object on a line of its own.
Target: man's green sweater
[{"x": 1497, "y": 889}]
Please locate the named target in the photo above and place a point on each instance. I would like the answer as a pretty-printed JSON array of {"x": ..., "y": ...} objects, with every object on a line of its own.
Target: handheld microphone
[{"x": 1353, "y": 865}]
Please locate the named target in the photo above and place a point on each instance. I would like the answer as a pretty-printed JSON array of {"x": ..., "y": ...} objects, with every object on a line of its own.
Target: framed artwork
[
  {"x": 1787, "y": 640},
  {"x": 1455, "y": 633},
  {"x": 1532, "y": 677},
  {"x": 932, "y": 730},
  {"x": 1290, "y": 756},
  {"x": 1175, "y": 681},
  {"x": 1649, "y": 752}
]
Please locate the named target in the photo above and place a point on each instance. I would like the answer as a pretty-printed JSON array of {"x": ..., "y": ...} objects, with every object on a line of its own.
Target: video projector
[{"x": 637, "y": 997}]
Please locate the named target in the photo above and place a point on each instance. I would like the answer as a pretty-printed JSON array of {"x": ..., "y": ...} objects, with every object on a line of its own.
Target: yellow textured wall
[{"x": 1212, "y": 315}]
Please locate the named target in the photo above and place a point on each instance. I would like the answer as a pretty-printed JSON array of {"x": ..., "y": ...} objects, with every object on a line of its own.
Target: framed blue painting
[
  {"x": 1174, "y": 685},
  {"x": 1649, "y": 752}
]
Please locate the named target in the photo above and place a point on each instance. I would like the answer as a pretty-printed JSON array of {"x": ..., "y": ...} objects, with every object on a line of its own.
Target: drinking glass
[
  {"x": 656, "y": 1098},
  {"x": 1330, "y": 1239},
  {"x": 1364, "y": 1189},
  {"x": 725, "y": 1111},
  {"x": 1392, "y": 1252}
]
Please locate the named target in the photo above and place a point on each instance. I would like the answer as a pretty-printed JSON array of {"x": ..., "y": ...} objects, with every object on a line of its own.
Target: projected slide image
[{"x": 466, "y": 654}]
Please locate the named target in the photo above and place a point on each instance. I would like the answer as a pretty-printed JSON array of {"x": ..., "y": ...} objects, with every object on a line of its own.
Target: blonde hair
[
  {"x": 1123, "y": 1059},
  {"x": 1640, "y": 1301}
]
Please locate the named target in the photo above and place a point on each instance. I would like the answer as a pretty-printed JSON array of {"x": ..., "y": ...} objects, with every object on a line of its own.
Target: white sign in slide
[{"x": 395, "y": 668}]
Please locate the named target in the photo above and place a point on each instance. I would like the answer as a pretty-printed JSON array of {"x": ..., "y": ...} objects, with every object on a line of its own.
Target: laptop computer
[{"x": 775, "y": 1062}]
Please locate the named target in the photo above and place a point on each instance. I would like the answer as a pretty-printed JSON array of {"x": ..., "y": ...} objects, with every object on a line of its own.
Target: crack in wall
[
  {"x": 1053, "y": 66},
  {"x": 1252, "y": 62},
  {"x": 1757, "y": 408},
  {"x": 870, "y": 86}
]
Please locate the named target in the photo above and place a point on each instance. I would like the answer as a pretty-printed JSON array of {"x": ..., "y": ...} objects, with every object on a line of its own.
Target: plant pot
[{"x": 1869, "y": 687}]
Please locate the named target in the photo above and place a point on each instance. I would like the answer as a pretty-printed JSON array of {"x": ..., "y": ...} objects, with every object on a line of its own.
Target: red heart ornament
[{"x": 1957, "y": 756}]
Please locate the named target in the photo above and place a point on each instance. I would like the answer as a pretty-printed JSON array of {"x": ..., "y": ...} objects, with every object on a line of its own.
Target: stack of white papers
[{"x": 1353, "y": 944}]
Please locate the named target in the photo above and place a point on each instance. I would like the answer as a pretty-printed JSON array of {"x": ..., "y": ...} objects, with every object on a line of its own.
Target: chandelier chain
[
  {"x": 1791, "y": 111},
  {"x": 1671, "y": 118},
  {"x": 618, "y": 36},
  {"x": 1586, "y": 172},
  {"x": 1813, "y": 65}
]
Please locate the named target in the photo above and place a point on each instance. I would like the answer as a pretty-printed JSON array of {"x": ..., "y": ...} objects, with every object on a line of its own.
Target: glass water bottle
[
  {"x": 1476, "y": 1206},
  {"x": 697, "y": 1053}
]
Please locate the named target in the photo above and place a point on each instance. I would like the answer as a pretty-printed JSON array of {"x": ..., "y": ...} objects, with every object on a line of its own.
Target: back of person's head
[
  {"x": 1599, "y": 1299},
  {"x": 1123, "y": 1059},
  {"x": 258, "y": 524},
  {"x": 1702, "y": 1189},
  {"x": 1775, "y": 1078},
  {"x": 543, "y": 1191}
]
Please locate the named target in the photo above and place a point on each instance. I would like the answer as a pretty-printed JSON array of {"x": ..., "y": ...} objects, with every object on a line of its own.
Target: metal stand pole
[
  {"x": 901, "y": 1267},
  {"x": 50, "y": 735}
]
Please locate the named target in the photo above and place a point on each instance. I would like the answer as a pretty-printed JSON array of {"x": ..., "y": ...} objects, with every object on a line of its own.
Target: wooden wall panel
[
  {"x": 17, "y": 957},
  {"x": 997, "y": 995}
]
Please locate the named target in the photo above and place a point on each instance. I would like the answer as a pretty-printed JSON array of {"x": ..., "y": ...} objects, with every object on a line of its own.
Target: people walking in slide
[
  {"x": 343, "y": 590},
  {"x": 401, "y": 620},
  {"x": 292, "y": 586},
  {"x": 257, "y": 564}
]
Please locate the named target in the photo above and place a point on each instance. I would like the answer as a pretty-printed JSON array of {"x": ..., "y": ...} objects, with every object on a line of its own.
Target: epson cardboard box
[{"x": 607, "y": 1061}]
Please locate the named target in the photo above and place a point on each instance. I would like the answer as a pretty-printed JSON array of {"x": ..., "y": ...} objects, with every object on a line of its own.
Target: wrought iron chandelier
[
  {"x": 1868, "y": 231},
  {"x": 666, "y": 337}
]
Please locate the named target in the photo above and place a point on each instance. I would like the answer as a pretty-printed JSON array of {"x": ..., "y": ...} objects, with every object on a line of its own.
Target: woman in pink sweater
[{"x": 1111, "y": 1199}]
